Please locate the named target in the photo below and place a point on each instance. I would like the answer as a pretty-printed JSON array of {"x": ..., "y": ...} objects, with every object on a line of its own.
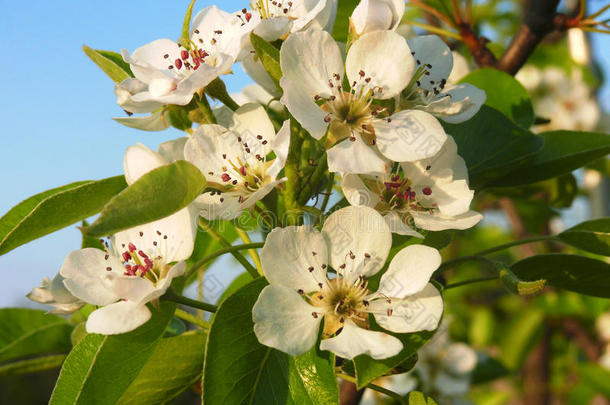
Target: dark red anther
[
  {"x": 427, "y": 190},
  {"x": 396, "y": 177},
  {"x": 126, "y": 256},
  {"x": 131, "y": 247},
  {"x": 248, "y": 17},
  {"x": 412, "y": 195},
  {"x": 225, "y": 177},
  {"x": 178, "y": 63},
  {"x": 184, "y": 54},
  {"x": 242, "y": 170},
  {"x": 142, "y": 254}
]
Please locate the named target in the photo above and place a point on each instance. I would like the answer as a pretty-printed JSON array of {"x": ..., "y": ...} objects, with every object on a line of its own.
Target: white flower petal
[
  {"x": 260, "y": 194},
  {"x": 250, "y": 122},
  {"x": 409, "y": 135},
  {"x": 409, "y": 271},
  {"x": 229, "y": 35},
  {"x": 377, "y": 15},
  {"x": 173, "y": 150},
  {"x": 361, "y": 232},
  {"x": 317, "y": 14},
  {"x": 397, "y": 225},
  {"x": 153, "y": 123},
  {"x": 280, "y": 146},
  {"x": 284, "y": 321},
  {"x": 435, "y": 222},
  {"x": 175, "y": 236},
  {"x": 452, "y": 198},
  {"x": 431, "y": 53},
  {"x": 295, "y": 257},
  {"x": 356, "y": 192},
  {"x": 218, "y": 206},
  {"x": 271, "y": 29},
  {"x": 384, "y": 57},
  {"x": 130, "y": 288},
  {"x": 356, "y": 157},
  {"x": 420, "y": 311},
  {"x": 460, "y": 358},
  {"x": 302, "y": 106},
  {"x": 176, "y": 271},
  {"x": 310, "y": 58},
  {"x": 466, "y": 100},
  {"x": 354, "y": 341},
  {"x": 148, "y": 62},
  {"x": 83, "y": 270},
  {"x": 460, "y": 68},
  {"x": 210, "y": 148},
  {"x": 120, "y": 317},
  {"x": 140, "y": 160},
  {"x": 126, "y": 89}
]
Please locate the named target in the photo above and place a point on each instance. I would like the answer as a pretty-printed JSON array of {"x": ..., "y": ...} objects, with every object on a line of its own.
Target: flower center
[
  {"x": 351, "y": 112},
  {"x": 398, "y": 193},
  {"x": 269, "y": 9}
]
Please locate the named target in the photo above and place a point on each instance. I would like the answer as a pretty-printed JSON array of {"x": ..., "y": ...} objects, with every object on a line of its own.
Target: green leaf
[
  {"x": 240, "y": 281},
  {"x": 174, "y": 366},
  {"x": 239, "y": 370},
  {"x": 570, "y": 272},
  {"x": 563, "y": 151},
  {"x": 492, "y": 145},
  {"x": 269, "y": 57},
  {"x": 419, "y": 398},
  {"x": 487, "y": 369},
  {"x": 592, "y": 236},
  {"x": 98, "y": 359},
  {"x": 344, "y": 11},
  {"x": 186, "y": 26},
  {"x": 596, "y": 377},
  {"x": 54, "y": 209},
  {"x": 153, "y": 196},
  {"x": 34, "y": 365},
  {"x": 177, "y": 117},
  {"x": 504, "y": 93},
  {"x": 368, "y": 369},
  {"x": 27, "y": 332},
  {"x": 110, "y": 62}
]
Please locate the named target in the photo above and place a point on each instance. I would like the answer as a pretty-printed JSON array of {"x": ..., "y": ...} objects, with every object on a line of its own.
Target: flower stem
[
  {"x": 230, "y": 249},
  {"x": 171, "y": 295},
  {"x": 374, "y": 387},
  {"x": 235, "y": 252},
  {"x": 449, "y": 264},
  {"x": 515, "y": 243},
  {"x": 186, "y": 316},
  {"x": 471, "y": 281},
  {"x": 252, "y": 252}
]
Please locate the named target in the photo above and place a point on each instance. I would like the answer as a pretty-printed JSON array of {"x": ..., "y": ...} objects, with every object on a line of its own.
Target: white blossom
[
  {"x": 137, "y": 266},
  {"x": 430, "y": 89},
  {"x": 430, "y": 194},
  {"x": 365, "y": 136},
  {"x": 54, "y": 293},
  {"x": 173, "y": 72},
  {"x": 376, "y": 15},
  {"x": 354, "y": 242},
  {"x": 234, "y": 161}
]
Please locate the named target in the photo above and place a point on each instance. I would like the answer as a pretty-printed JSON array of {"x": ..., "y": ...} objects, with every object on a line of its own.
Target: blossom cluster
[{"x": 375, "y": 105}]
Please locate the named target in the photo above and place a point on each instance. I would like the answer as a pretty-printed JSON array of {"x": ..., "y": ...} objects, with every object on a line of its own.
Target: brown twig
[
  {"x": 536, "y": 373},
  {"x": 349, "y": 395},
  {"x": 572, "y": 328}
]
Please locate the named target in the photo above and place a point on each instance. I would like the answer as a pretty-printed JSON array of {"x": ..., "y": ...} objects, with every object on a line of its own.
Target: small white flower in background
[
  {"x": 54, "y": 293},
  {"x": 173, "y": 73},
  {"x": 563, "y": 98},
  {"x": 376, "y": 15},
  {"x": 234, "y": 161},
  {"x": 445, "y": 367},
  {"x": 602, "y": 326},
  {"x": 355, "y": 242},
  {"x": 430, "y": 194},
  {"x": 430, "y": 89},
  {"x": 379, "y": 66},
  {"x": 136, "y": 267}
]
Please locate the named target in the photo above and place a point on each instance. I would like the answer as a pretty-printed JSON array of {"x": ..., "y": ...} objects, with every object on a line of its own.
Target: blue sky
[{"x": 57, "y": 105}]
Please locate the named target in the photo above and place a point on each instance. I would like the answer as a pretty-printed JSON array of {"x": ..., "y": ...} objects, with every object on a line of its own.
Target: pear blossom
[
  {"x": 379, "y": 65},
  {"x": 453, "y": 103},
  {"x": 376, "y": 15},
  {"x": 54, "y": 293},
  {"x": 272, "y": 20},
  {"x": 173, "y": 72},
  {"x": 563, "y": 98},
  {"x": 137, "y": 266},
  {"x": 234, "y": 161},
  {"x": 430, "y": 194},
  {"x": 125, "y": 91},
  {"x": 354, "y": 242},
  {"x": 444, "y": 367}
]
